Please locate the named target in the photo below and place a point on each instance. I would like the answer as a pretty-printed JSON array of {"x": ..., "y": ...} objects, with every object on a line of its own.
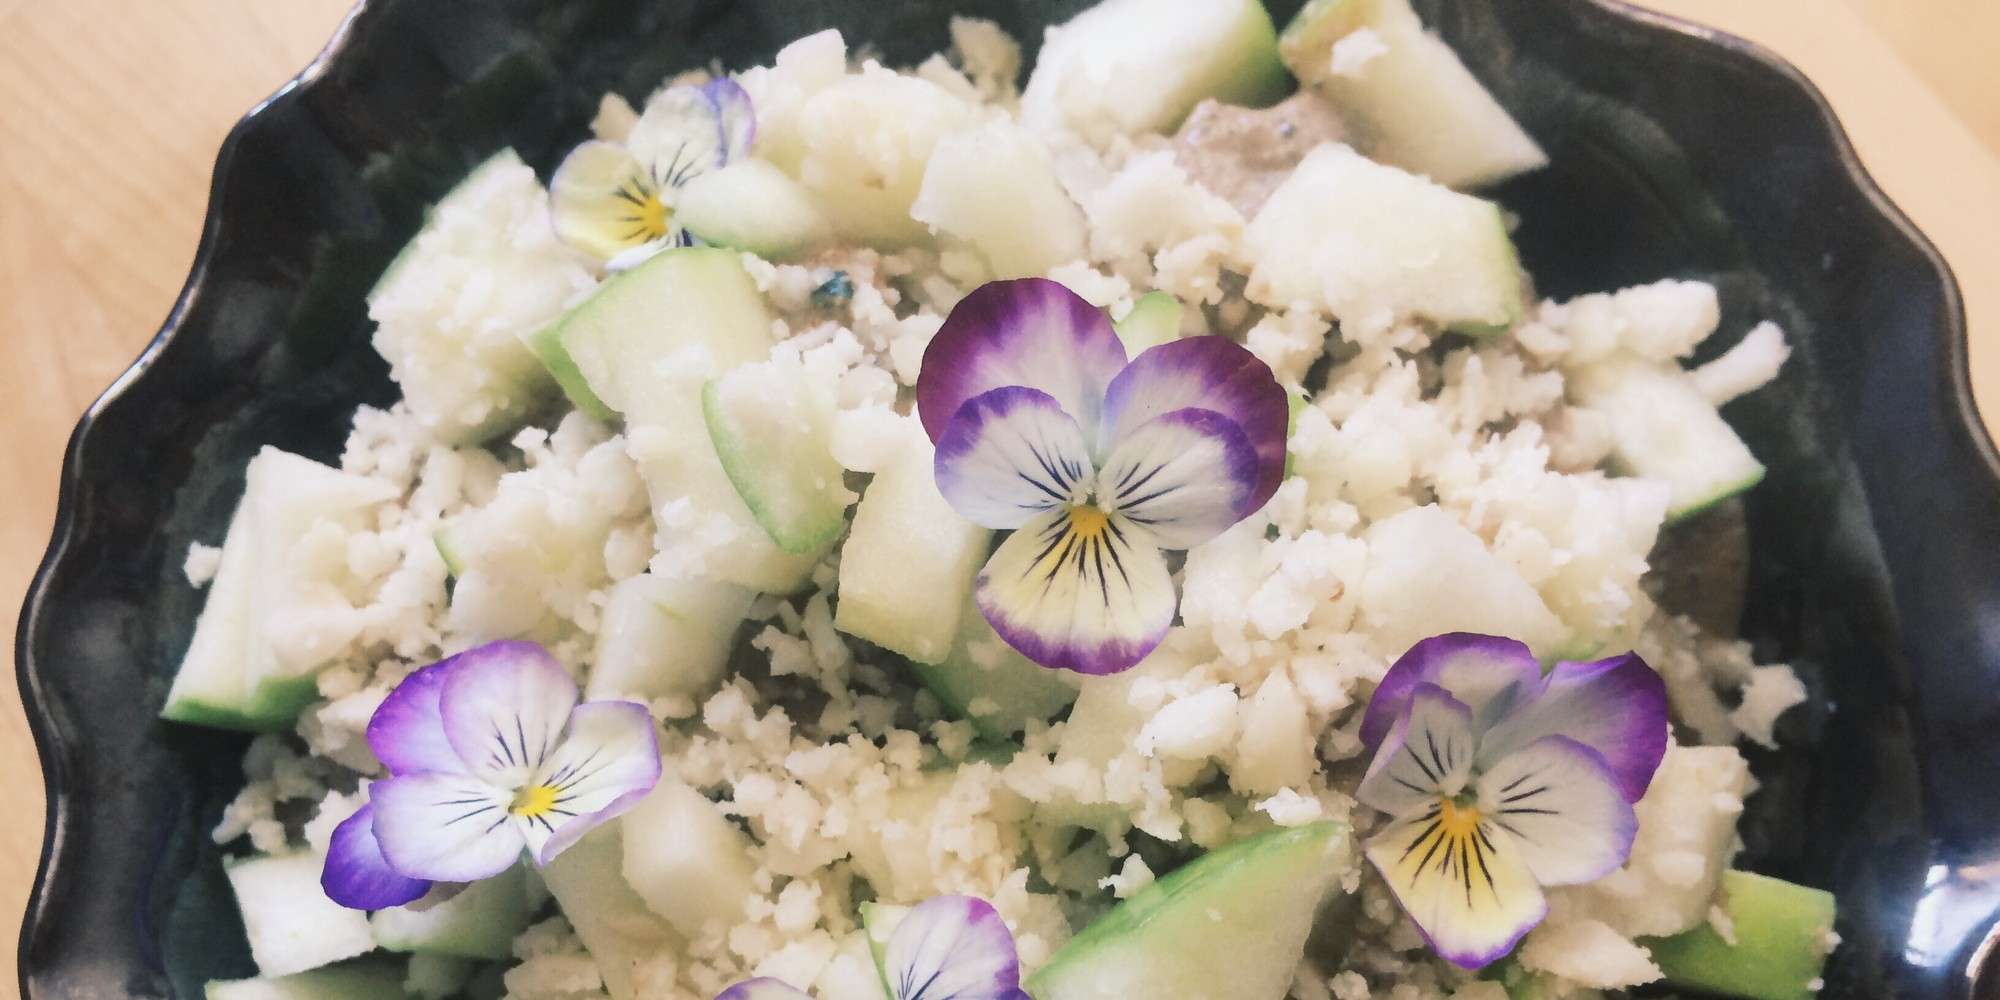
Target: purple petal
[
  {"x": 608, "y": 760},
  {"x": 1616, "y": 706},
  {"x": 1477, "y": 669},
  {"x": 1427, "y": 756},
  {"x": 446, "y": 828},
  {"x": 504, "y": 706},
  {"x": 735, "y": 118},
  {"x": 1186, "y": 475},
  {"x": 1030, "y": 331},
  {"x": 952, "y": 948},
  {"x": 1564, "y": 807},
  {"x": 1076, "y": 590},
  {"x": 407, "y": 731},
  {"x": 1010, "y": 454},
  {"x": 1212, "y": 373},
  {"x": 357, "y": 876},
  {"x": 762, "y": 988}
]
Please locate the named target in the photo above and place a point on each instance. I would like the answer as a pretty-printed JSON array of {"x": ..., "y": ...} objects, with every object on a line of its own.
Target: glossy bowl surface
[{"x": 1677, "y": 151}]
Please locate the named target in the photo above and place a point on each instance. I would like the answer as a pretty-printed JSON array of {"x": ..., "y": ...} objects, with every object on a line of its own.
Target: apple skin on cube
[
  {"x": 907, "y": 569},
  {"x": 689, "y": 863},
  {"x": 615, "y": 925},
  {"x": 1230, "y": 925},
  {"x": 662, "y": 637},
  {"x": 291, "y": 924},
  {"x": 361, "y": 979},
  {"x": 645, "y": 343}
]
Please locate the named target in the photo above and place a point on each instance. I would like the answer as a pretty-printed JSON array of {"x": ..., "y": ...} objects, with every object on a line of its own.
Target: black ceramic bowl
[{"x": 1677, "y": 152}]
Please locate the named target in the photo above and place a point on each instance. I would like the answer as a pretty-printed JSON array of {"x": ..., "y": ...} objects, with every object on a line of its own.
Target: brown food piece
[
  {"x": 1243, "y": 154},
  {"x": 1701, "y": 567}
]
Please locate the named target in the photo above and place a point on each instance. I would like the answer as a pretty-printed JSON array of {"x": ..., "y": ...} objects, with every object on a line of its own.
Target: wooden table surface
[{"x": 111, "y": 112}]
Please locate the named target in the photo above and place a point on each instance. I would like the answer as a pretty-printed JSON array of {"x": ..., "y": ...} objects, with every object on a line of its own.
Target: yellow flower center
[
  {"x": 654, "y": 216},
  {"x": 1457, "y": 821},
  {"x": 533, "y": 801},
  {"x": 1087, "y": 522}
]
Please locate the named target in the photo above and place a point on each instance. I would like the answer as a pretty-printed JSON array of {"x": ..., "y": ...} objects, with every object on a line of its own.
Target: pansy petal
[
  {"x": 1186, "y": 475},
  {"x": 952, "y": 948},
  {"x": 1561, "y": 803},
  {"x": 1212, "y": 373},
  {"x": 607, "y": 761},
  {"x": 682, "y": 133},
  {"x": 1009, "y": 455},
  {"x": 504, "y": 708},
  {"x": 1616, "y": 706},
  {"x": 1428, "y": 755},
  {"x": 1029, "y": 331},
  {"x": 407, "y": 732},
  {"x": 735, "y": 117},
  {"x": 762, "y": 988},
  {"x": 1076, "y": 589},
  {"x": 357, "y": 876},
  {"x": 603, "y": 202},
  {"x": 1463, "y": 881},
  {"x": 1487, "y": 673},
  {"x": 446, "y": 828}
]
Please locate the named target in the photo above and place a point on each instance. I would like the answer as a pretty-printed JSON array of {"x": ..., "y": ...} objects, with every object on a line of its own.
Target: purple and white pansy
[
  {"x": 489, "y": 756},
  {"x": 1502, "y": 780},
  {"x": 1096, "y": 463},
  {"x": 615, "y": 201},
  {"x": 945, "y": 948}
]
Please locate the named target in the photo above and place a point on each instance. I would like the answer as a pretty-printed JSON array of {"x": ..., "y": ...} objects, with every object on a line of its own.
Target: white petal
[
  {"x": 505, "y": 708},
  {"x": 1079, "y": 590},
  {"x": 1009, "y": 455},
  {"x": 1186, "y": 475},
  {"x": 1427, "y": 755},
  {"x": 608, "y": 760},
  {"x": 603, "y": 202},
  {"x": 443, "y": 827},
  {"x": 1559, "y": 799},
  {"x": 1463, "y": 880},
  {"x": 681, "y": 134},
  {"x": 952, "y": 948}
]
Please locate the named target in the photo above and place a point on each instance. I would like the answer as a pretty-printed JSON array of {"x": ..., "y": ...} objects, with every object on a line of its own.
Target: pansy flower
[
  {"x": 1502, "y": 780},
  {"x": 615, "y": 201},
  {"x": 945, "y": 948},
  {"x": 489, "y": 756},
  {"x": 1095, "y": 463}
]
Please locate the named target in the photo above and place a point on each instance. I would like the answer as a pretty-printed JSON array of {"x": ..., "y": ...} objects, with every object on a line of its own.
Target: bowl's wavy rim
[{"x": 50, "y": 740}]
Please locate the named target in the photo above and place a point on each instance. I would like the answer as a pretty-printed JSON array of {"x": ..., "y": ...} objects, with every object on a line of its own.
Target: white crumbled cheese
[
  {"x": 1354, "y": 51},
  {"x": 1588, "y": 953},
  {"x": 1686, "y": 840},
  {"x": 1744, "y": 368},
  {"x": 485, "y": 271},
  {"x": 989, "y": 56},
  {"x": 202, "y": 562},
  {"x": 1195, "y": 726},
  {"x": 1770, "y": 691},
  {"x": 1289, "y": 808},
  {"x": 1132, "y": 877},
  {"x": 1662, "y": 321}
]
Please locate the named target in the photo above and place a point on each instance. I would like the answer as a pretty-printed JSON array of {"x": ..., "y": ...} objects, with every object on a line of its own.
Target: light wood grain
[
  {"x": 110, "y": 117},
  {"x": 111, "y": 112}
]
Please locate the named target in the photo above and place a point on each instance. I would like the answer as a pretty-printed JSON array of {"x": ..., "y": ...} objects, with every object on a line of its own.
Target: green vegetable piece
[
  {"x": 1782, "y": 935},
  {"x": 1154, "y": 320},
  {"x": 1232, "y": 923},
  {"x": 547, "y": 346}
]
